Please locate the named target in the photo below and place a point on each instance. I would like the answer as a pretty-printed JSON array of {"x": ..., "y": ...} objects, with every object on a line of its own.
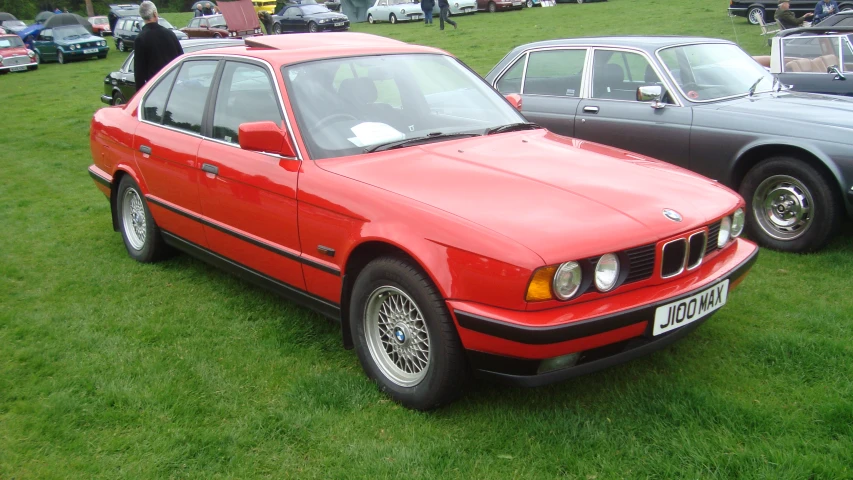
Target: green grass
[{"x": 113, "y": 369}]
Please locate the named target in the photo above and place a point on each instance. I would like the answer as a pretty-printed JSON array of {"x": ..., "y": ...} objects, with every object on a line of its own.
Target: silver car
[{"x": 705, "y": 105}]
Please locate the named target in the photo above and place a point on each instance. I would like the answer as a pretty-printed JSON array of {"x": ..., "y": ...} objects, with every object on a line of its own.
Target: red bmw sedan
[{"x": 389, "y": 187}]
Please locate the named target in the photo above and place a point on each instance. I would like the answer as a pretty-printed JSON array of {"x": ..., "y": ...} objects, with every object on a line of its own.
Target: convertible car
[
  {"x": 394, "y": 11},
  {"x": 443, "y": 230},
  {"x": 68, "y": 43},
  {"x": 309, "y": 18},
  {"x": 702, "y": 104},
  {"x": 814, "y": 59}
]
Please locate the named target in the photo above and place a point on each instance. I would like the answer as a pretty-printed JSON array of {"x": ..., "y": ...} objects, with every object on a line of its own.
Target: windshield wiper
[
  {"x": 413, "y": 141},
  {"x": 512, "y": 127},
  {"x": 755, "y": 85}
]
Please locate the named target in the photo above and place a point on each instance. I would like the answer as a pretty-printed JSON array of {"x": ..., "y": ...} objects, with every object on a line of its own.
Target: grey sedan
[{"x": 705, "y": 105}]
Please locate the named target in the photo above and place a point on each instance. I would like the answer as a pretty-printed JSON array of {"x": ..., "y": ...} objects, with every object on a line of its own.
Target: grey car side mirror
[
  {"x": 651, "y": 93},
  {"x": 838, "y": 75}
]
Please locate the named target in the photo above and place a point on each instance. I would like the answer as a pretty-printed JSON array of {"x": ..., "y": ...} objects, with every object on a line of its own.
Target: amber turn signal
[{"x": 539, "y": 288}]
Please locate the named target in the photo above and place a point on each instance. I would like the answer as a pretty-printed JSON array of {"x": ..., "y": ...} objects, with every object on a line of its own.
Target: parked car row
[{"x": 758, "y": 10}]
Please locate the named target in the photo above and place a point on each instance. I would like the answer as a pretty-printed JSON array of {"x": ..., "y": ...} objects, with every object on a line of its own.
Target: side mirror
[
  {"x": 515, "y": 100},
  {"x": 651, "y": 93},
  {"x": 838, "y": 75},
  {"x": 265, "y": 137}
]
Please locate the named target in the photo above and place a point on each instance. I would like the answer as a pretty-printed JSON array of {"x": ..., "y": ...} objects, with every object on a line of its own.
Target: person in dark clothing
[
  {"x": 197, "y": 12},
  {"x": 155, "y": 46},
  {"x": 208, "y": 9},
  {"x": 786, "y": 18},
  {"x": 444, "y": 14},
  {"x": 266, "y": 21},
  {"x": 427, "y": 6}
]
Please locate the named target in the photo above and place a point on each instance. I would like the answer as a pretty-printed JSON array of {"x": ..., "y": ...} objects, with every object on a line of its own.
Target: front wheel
[
  {"x": 529, "y": 3},
  {"x": 312, "y": 27},
  {"x": 370, "y": 19},
  {"x": 404, "y": 336},
  {"x": 276, "y": 28},
  {"x": 392, "y": 18},
  {"x": 755, "y": 15},
  {"x": 140, "y": 234},
  {"x": 118, "y": 98},
  {"x": 790, "y": 205},
  {"x": 216, "y": 35},
  {"x": 60, "y": 57}
]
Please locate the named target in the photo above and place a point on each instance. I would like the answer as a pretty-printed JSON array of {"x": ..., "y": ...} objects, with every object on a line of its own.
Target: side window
[
  {"x": 616, "y": 75},
  {"x": 511, "y": 80},
  {"x": 185, "y": 107},
  {"x": 555, "y": 73},
  {"x": 291, "y": 12},
  {"x": 46, "y": 34},
  {"x": 809, "y": 54},
  {"x": 128, "y": 64},
  {"x": 194, "y": 23},
  {"x": 155, "y": 102},
  {"x": 246, "y": 94},
  {"x": 203, "y": 23},
  {"x": 846, "y": 57}
]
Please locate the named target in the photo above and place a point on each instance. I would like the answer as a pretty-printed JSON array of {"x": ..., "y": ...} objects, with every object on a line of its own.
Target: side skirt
[{"x": 293, "y": 294}]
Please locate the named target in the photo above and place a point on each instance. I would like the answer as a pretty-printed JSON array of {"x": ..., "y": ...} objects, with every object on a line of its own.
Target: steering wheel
[
  {"x": 691, "y": 90},
  {"x": 329, "y": 118}
]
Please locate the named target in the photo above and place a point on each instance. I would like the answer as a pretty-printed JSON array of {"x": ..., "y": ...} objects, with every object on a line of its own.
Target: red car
[
  {"x": 15, "y": 56},
  {"x": 237, "y": 20},
  {"x": 100, "y": 26},
  {"x": 387, "y": 186},
  {"x": 493, "y": 6}
]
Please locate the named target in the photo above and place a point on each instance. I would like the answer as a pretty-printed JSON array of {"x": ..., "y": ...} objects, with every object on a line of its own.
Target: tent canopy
[
  {"x": 61, "y": 19},
  {"x": 6, "y": 16},
  {"x": 202, "y": 2},
  {"x": 42, "y": 16}
]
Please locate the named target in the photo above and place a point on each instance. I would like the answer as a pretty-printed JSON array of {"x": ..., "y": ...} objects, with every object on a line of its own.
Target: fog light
[{"x": 558, "y": 363}]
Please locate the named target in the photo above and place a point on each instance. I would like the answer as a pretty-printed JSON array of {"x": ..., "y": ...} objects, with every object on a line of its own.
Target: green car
[{"x": 67, "y": 43}]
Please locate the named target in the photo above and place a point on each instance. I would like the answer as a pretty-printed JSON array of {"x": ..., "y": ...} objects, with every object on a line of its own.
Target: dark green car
[{"x": 67, "y": 43}]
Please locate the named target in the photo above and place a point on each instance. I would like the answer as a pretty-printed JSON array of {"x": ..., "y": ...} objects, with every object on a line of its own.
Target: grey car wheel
[
  {"x": 529, "y": 3},
  {"x": 312, "y": 27},
  {"x": 140, "y": 234},
  {"x": 392, "y": 18},
  {"x": 492, "y": 7},
  {"x": 276, "y": 28},
  {"x": 120, "y": 46},
  {"x": 370, "y": 19},
  {"x": 118, "y": 99},
  {"x": 60, "y": 57},
  {"x": 755, "y": 15}
]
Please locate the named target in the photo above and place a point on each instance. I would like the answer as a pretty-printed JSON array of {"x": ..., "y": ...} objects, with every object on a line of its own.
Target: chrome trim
[
  {"x": 702, "y": 253},
  {"x": 523, "y": 74},
  {"x": 683, "y": 260},
  {"x": 841, "y": 40},
  {"x": 527, "y": 62},
  {"x": 237, "y": 146},
  {"x": 203, "y": 56}
]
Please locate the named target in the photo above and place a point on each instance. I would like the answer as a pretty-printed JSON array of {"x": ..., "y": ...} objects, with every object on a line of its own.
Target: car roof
[
  {"x": 642, "y": 42},
  {"x": 289, "y": 49}
]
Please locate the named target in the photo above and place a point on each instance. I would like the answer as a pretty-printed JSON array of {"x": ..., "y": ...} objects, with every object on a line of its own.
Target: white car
[
  {"x": 458, "y": 7},
  {"x": 394, "y": 11}
]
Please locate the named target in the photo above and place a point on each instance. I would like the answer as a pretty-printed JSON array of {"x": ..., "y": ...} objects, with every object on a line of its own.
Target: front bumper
[
  {"x": 737, "y": 11},
  {"x": 107, "y": 99},
  {"x": 330, "y": 27},
  {"x": 22, "y": 67},
  {"x": 510, "y": 346},
  {"x": 79, "y": 53}
]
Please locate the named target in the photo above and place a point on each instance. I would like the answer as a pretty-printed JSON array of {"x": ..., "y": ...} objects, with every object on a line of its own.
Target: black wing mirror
[{"x": 838, "y": 75}]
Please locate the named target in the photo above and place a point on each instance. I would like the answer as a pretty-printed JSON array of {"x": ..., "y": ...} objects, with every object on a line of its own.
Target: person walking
[
  {"x": 427, "y": 6},
  {"x": 155, "y": 46},
  {"x": 266, "y": 20},
  {"x": 785, "y": 18},
  {"x": 444, "y": 14}
]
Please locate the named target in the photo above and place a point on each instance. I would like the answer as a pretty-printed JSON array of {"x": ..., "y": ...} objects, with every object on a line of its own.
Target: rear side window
[
  {"x": 185, "y": 107},
  {"x": 245, "y": 94},
  {"x": 555, "y": 73},
  {"x": 155, "y": 102},
  {"x": 511, "y": 81}
]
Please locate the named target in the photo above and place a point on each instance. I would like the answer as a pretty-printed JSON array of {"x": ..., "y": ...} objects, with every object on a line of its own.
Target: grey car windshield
[
  {"x": 165, "y": 23},
  {"x": 346, "y": 106},
  {"x": 711, "y": 71},
  {"x": 70, "y": 32}
]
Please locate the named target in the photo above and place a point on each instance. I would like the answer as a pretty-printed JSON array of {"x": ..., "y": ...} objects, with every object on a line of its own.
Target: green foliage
[{"x": 112, "y": 369}]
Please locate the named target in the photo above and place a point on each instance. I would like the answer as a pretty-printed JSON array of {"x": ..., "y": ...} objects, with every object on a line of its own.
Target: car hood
[
  {"x": 328, "y": 15},
  {"x": 239, "y": 15},
  {"x": 562, "y": 198},
  {"x": 13, "y": 51},
  {"x": 77, "y": 41},
  {"x": 808, "y": 108}
]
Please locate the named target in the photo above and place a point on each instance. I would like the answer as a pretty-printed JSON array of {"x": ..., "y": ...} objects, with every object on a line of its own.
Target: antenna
[{"x": 732, "y": 18}]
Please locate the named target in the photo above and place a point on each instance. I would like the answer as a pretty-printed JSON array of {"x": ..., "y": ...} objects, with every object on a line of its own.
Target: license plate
[
  {"x": 515, "y": 4},
  {"x": 688, "y": 310},
  {"x": 17, "y": 69},
  {"x": 416, "y": 17},
  {"x": 90, "y": 50},
  {"x": 339, "y": 24}
]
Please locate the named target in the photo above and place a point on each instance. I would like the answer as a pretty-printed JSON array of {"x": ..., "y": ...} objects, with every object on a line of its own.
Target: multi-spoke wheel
[
  {"x": 404, "y": 336},
  {"x": 791, "y": 206},
  {"x": 60, "y": 57},
  {"x": 755, "y": 15},
  {"x": 120, "y": 46},
  {"x": 141, "y": 235}
]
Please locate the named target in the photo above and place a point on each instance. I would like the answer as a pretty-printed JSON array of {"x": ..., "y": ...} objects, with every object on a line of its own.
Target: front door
[
  {"x": 44, "y": 45},
  {"x": 613, "y": 116},
  {"x": 292, "y": 20}
]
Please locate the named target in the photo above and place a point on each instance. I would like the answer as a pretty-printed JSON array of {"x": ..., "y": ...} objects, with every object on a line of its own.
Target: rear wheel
[
  {"x": 370, "y": 19},
  {"x": 392, "y": 18},
  {"x": 790, "y": 205},
  {"x": 755, "y": 15},
  {"x": 529, "y": 3},
  {"x": 276, "y": 28},
  {"x": 492, "y": 7},
  {"x": 120, "y": 46},
  {"x": 140, "y": 234},
  {"x": 404, "y": 336}
]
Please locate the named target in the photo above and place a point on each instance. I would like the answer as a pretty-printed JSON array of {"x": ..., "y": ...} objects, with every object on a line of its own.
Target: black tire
[
  {"x": 529, "y": 3},
  {"x": 276, "y": 28},
  {"x": 144, "y": 244},
  {"x": 120, "y": 46},
  {"x": 312, "y": 27},
  {"x": 579, "y": 1},
  {"x": 38, "y": 57},
  {"x": 492, "y": 8},
  {"x": 791, "y": 206},
  {"x": 60, "y": 57},
  {"x": 118, "y": 98},
  {"x": 216, "y": 35},
  {"x": 753, "y": 14},
  {"x": 370, "y": 19},
  {"x": 392, "y": 18},
  {"x": 440, "y": 381}
]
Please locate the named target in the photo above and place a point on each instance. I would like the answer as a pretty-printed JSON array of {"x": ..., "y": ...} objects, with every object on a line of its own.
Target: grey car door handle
[
  {"x": 145, "y": 149},
  {"x": 210, "y": 168},
  {"x": 590, "y": 109}
]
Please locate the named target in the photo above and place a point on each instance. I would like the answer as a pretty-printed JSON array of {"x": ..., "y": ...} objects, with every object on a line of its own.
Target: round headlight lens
[
  {"x": 403, "y": 10},
  {"x": 725, "y": 231},
  {"x": 738, "y": 220},
  {"x": 606, "y": 272},
  {"x": 567, "y": 280}
]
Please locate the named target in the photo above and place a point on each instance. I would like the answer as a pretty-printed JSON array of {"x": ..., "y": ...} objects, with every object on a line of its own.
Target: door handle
[
  {"x": 210, "y": 168},
  {"x": 145, "y": 149},
  {"x": 590, "y": 109}
]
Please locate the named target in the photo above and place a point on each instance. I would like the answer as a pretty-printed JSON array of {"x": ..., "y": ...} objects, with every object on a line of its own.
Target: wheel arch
[{"x": 752, "y": 155}]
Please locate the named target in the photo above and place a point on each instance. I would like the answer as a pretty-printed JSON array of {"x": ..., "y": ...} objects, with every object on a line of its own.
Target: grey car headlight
[
  {"x": 725, "y": 232},
  {"x": 567, "y": 280},
  {"x": 738, "y": 221},
  {"x": 403, "y": 11},
  {"x": 606, "y": 272}
]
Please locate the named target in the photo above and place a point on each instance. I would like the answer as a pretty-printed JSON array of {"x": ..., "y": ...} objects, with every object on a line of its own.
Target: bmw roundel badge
[{"x": 672, "y": 215}]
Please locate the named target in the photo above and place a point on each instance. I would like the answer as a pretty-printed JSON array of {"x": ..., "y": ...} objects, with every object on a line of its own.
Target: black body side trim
[
  {"x": 284, "y": 253},
  {"x": 321, "y": 305},
  {"x": 584, "y": 328},
  {"x": 103, "y": 181}
]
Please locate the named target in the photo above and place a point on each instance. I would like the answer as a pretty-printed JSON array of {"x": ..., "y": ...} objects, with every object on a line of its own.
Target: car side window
[
  {"x": 204, "y": 23},
  {"x": 46, "y": 34},
  {"x": 510, "y": 82},
  {"x": 555, "y": 73},
  {"x": 383, "y": 4},
  {"x": 155, "y": 101},
  {"x": 185, "y": 107},
  {"x": 245, "y": 94},
  {"x": 809, "y": 54},
  {"x": 128, "y": 64},
  {"x": 616, "y": 75},
  {"x": 194, "y": 23},
  {"x": 291, "y": 12},
  {"x": 846, "y": 57}
]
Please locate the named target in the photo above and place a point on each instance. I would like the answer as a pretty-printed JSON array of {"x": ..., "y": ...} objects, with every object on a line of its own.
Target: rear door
[{"x": 805, "y": 60}]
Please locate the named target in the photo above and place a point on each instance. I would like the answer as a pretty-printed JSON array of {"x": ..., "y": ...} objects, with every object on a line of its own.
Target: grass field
[{"x": 113, "y": 369}]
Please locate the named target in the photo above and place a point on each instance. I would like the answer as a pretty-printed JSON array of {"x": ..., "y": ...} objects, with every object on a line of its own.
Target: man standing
[
  {"x": 155, "y": 46},
  {"x": 198, "y": 12},
  {"x": 427, "y": 6},
  {"x": 786, "y": 18},
  {"x": 444, "y": 14}
]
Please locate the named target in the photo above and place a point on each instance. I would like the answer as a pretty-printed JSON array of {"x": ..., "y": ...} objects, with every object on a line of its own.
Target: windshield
[
  {"x": 165, "y": 23},
  {"x": 10, "y": 41},
  {"x": 712, "y": 71},
  {"x": 346, "y": 105},
  {"x": 399, "y": 2},
  {"x": 218, "y": 21},
  {"x": 71, "y": 32},
  {"x": 99, "y": 21},
  {"x": 14, "y": 23},
  {"x": 312, "y": 9}
]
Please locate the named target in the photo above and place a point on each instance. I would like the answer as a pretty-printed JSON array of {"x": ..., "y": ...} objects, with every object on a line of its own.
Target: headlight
[
  {"x": 738, "y": 220},
  {"x": 725, "y": 231},
  {"x": 103, "y": 44},
  {"x": 73, "y": 47},
  {"x": 567, "y": 280},
  {"x": 606, "y": 272},
  {"x": 402, "y": 10},
  {"x": 1, "y": 58},
  {"x": 30, "y": 54}
]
